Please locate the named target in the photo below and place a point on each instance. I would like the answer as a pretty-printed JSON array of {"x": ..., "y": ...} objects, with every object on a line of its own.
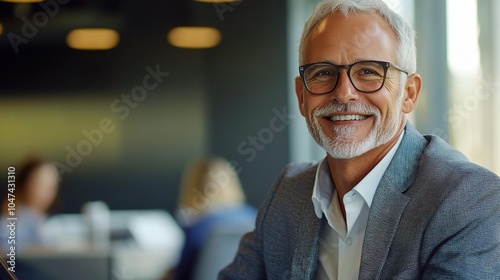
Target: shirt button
[{"x": 348, "y": 241}]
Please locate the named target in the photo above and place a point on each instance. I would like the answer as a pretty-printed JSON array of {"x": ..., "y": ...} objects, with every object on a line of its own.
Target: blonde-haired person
[
  {"x": 208, "y": 184},
  {"x": 211, "y": 197}
]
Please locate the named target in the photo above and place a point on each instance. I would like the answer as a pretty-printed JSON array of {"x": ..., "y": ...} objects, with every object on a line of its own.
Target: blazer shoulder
[
  {"x": 291, "y": 181},
  {"x": 442, "y": 162},
  {"x": 297, "y": 170},
  {"x": 298, "y": 176},
  {"x": 293, "y": 185}
]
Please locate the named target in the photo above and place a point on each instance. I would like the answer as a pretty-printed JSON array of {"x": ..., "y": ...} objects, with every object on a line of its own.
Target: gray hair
[{"x": 406, "y": 51}]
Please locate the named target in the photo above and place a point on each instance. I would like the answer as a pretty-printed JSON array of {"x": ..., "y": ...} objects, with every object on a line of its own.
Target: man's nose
[{"x": 345, "y": 90}]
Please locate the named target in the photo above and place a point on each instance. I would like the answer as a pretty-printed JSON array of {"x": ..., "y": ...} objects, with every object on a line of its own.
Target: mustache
[{"x": 345, "y": 107}]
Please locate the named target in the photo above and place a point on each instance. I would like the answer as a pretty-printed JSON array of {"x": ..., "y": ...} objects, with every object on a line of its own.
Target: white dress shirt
[{"x": 342, "y": 241}]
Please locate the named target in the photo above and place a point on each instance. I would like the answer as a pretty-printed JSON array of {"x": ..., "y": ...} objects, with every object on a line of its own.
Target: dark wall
[{"x": 248, "y": 93}]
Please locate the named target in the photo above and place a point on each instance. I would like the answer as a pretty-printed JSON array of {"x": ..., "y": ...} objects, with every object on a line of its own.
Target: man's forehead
[
  {"x": 354, "y": 33},
  {"x": 369, "y": 23}
]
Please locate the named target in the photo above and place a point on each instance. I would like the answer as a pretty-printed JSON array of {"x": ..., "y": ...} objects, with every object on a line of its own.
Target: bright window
[{"x": 473, "y": 83}]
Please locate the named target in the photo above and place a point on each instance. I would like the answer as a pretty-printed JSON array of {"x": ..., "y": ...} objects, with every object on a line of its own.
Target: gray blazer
[{"x": 434, "y": 215}]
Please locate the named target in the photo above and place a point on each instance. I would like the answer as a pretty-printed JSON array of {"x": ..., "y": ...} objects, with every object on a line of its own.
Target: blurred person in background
[
  {"x": 36, "y": 187},
  {"x": 211, "y": 197}
]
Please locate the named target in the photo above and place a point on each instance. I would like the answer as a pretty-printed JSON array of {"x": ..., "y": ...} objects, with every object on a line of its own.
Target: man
[{"x": 387, "y": 202}]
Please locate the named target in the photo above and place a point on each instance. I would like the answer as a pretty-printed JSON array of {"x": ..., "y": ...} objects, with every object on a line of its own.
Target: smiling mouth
[{"x": 338, "y": 118}]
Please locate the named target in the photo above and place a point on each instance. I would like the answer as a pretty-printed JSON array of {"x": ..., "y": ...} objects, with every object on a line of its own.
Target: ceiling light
[
  {"x": 93, "y": 39},
  {"x": 194, "y": 37},
  {"x": 22, "y": 1}
]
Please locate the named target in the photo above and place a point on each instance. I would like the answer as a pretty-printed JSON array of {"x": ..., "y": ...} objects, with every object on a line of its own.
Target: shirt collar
[
  {"x": 323, "y": 188},
  {"x": 323, "y": 184}
]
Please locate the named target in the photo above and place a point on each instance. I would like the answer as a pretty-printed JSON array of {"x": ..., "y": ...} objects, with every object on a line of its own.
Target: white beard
[{"x": 344, "y": 145}]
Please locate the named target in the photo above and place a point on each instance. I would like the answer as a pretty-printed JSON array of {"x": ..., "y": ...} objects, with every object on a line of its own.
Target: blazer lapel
[
  {"x": 305, "y": 254},
  {"x": 305, "y": 232},
  {"x": 389, "y": 203}
]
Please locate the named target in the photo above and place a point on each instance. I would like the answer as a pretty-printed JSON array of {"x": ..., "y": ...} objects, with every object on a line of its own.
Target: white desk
[{"x": 154, "y": 245}]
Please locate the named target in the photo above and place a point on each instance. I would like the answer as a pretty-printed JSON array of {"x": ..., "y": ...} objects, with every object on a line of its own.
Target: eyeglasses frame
[{"x": 386, "y": 65}]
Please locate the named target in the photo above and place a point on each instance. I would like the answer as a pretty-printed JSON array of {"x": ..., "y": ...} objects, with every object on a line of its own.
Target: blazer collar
[
  {"x": 402, "y": 170},
  {"x": 389, "y": 202}
]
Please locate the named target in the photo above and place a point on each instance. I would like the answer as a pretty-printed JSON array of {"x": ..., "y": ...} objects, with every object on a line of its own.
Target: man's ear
[
  {"x": 412, "y": 90},
  {"x": 299, "y": 90}
]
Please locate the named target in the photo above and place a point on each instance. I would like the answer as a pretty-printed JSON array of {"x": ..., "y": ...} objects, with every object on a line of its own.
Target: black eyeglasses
[{"x": 366, "y": 76}]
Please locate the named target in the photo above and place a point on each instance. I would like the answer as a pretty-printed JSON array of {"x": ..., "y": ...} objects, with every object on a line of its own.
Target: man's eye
[
  {"x": 320, "y": 73},
  {"x": 324, "y": 73},
  {"x": 367, "y": 72}
]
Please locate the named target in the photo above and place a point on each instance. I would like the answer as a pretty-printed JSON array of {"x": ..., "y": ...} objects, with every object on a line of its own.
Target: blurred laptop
[{"x": 63, "y": 266}]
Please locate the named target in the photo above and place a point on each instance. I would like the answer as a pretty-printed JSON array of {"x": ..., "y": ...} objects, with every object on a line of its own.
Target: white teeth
[{"x": 347, "y": 118}]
